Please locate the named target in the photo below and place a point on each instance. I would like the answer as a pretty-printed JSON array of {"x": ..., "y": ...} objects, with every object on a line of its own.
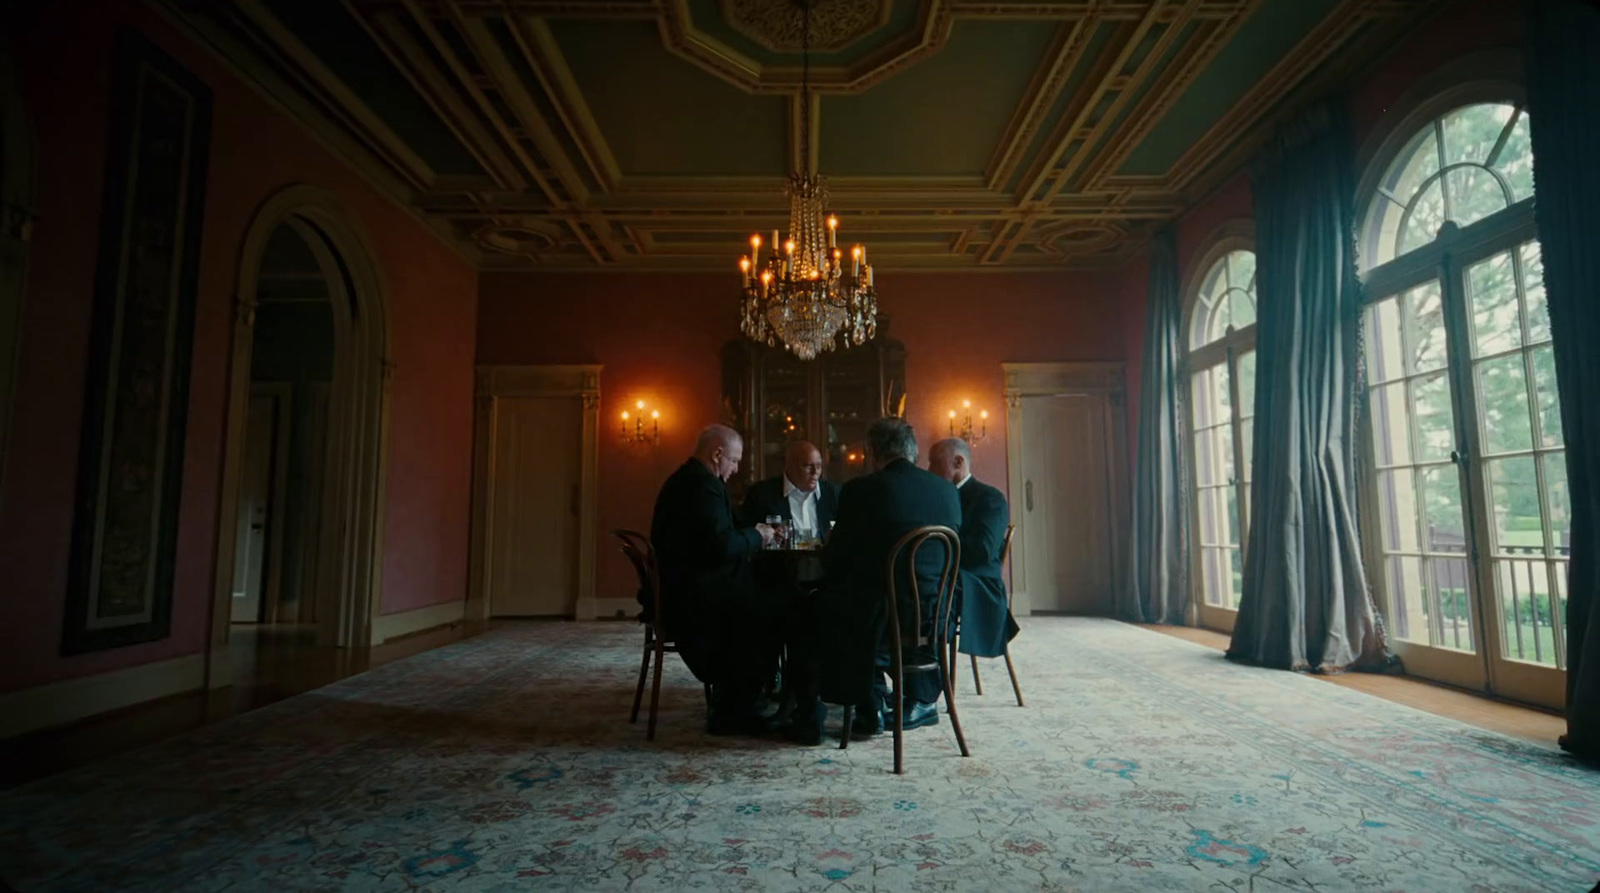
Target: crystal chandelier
[{"x": 804, "y": 297}]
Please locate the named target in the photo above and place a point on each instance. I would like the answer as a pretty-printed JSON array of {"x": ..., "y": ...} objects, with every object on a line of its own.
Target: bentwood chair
[
  {"x": 658, "y": 642},
  {"x": 977, "y": 681},
  {"x": 918, "y": 646}
]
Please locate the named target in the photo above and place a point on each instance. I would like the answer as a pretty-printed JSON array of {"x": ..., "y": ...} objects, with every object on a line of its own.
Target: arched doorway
[
  {"x": 16, "y": 221},
  {"x": 299, "y": 532}
]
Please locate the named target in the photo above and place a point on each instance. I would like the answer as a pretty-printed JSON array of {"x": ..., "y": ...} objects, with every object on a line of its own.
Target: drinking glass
[{"x": 776, "y": 523}]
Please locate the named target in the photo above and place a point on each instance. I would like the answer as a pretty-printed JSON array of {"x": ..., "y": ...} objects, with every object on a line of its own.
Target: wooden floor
[
  {"x": 269, "y": 663},
  {"x": 1484, "y": 712}
]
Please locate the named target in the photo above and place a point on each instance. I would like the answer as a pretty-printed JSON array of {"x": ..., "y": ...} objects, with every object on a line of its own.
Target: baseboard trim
[
  {"x": 404, "y": 623},
  {"x": 70, "y": 700},
  {"x": 607, "y": 608}
]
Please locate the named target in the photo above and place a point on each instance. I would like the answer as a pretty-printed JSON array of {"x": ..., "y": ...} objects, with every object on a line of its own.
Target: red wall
[
  {"x": 659, "y": 338},
  {"x": 255, "y": 151}
]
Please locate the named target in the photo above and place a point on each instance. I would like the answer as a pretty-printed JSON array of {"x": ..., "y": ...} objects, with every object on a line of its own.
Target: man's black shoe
[
  {"x": 805, "y": 727},
  {"x": 865, "y": 724},
  {"x": 719, "y": 723},
  {"x": 918, "y": 715}
]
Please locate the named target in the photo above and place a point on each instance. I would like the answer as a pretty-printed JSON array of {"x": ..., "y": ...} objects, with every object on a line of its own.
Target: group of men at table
[{"x": 731, "y": 624}]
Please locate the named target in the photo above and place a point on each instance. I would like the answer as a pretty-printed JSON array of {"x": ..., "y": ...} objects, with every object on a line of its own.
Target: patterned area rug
[{"x": 1142, "y": 762}]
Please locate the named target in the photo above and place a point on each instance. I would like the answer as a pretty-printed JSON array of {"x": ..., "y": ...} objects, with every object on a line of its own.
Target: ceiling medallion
[
  {"x": 518, "y": 240},
  {"x": 777, "y": 25},
  {"x": 804, "y": 298}
]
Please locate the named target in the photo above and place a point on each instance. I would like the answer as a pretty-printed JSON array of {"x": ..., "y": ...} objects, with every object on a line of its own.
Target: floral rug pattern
[{"x": 506, "y": 762}]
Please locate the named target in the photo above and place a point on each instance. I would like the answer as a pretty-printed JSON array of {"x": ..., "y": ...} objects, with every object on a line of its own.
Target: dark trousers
[
  {"x": 737, "y": 634},
  {"x": 839, "y": 652}
]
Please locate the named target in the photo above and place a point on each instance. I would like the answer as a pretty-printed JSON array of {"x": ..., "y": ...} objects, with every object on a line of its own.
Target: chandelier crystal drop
[{"x": 803, "y": 293}]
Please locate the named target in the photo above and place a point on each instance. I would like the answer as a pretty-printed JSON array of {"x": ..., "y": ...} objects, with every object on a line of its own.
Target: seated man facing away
[
  {"x": 986, "y": 621},
  {"x": 800, "y": 494},
  {"x": 846, "y": 648},
  {"x": 727, "y": 632}
]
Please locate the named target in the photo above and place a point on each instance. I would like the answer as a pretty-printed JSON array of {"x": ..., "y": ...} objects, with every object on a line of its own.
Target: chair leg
[
  {"x": 644, "y": 671},
  {"x": 977, "y": 681},
  {"x": 1011, "y": 668},
  {"x": 949, "y": 664},
  {"x": 655, "y": 695},
  {"x": 955, "y": 721},
  {"x": 844, "y": 730},
  {"x": 899, "y": 723}
]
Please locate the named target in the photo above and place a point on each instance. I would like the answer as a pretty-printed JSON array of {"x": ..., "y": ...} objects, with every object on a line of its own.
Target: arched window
[
  {"x": 1468, "y": 477},
  {"x": 1222, "y": 378}
]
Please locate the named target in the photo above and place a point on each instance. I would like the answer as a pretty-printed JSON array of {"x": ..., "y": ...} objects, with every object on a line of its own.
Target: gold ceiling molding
[
  {"x": 776, "y": 24},
  {"x": 552, "y": 195}
]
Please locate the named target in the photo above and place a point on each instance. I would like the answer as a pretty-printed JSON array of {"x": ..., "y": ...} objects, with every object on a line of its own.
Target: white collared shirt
[
  {"x": 963, "y": 482},
  {"x": 802, "y": 505}
]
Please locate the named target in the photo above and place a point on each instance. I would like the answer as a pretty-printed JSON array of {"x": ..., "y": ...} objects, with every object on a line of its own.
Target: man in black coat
[
  {"x": 727, "y": 631},
  {"x": 986, "y": 621},
  {"x": 799, "y": 495},
  {"x": 847, "y": 648}
]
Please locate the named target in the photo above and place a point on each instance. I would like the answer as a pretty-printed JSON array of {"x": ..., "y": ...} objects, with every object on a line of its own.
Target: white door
[
  {"x": 255, "y": 509},
  {"x": 1066, "y": 503},
  {"x": 533, "y": 510}
]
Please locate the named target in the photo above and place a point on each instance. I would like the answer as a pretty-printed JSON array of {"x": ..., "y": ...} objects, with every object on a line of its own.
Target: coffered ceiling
[{"x": 656, "y": 134}]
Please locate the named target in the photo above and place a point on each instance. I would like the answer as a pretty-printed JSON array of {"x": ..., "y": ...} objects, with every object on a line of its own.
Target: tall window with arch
[
  {"x": 1468, "y": 483},
  {"x": 1222, "y": 384}
]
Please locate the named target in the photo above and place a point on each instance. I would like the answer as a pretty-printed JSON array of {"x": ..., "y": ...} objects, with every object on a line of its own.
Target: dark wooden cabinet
[{"x": 772, "y": 397}]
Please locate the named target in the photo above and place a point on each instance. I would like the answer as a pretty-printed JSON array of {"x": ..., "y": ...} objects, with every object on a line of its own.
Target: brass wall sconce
[
  {"x": 973, "y": 436},
  {"x": 639, "y": 434}
]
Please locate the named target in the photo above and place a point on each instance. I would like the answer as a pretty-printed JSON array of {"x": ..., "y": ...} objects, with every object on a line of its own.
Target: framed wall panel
[{"x": 136, "y": 392}]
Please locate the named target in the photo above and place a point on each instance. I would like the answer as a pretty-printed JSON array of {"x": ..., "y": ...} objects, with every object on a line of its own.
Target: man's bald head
[
  {"x": 802, "y": 465},
  {"x": 951, "y": 459},
  {"x": 720, "y": 448}
]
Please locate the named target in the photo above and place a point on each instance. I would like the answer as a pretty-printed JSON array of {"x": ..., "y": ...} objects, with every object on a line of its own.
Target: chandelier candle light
[
  {"x": 972, "y": 436},
  {"x": 806, "y": 297}
]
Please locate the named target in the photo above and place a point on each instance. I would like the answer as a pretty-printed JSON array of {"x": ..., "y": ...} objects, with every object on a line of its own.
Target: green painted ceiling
[
  {"x": 661, "y": 116},
  {"x": 583, "y": 135},
  {"x": 1260, "y": 43},
  {"x": 340, "y": 43},
  {"x": 947, "y": 119}
]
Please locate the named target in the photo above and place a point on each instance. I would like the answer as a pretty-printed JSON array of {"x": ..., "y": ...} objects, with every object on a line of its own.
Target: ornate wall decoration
[
  {"x": 835, "y": 24},
  {"x": 130, "y": 474}
]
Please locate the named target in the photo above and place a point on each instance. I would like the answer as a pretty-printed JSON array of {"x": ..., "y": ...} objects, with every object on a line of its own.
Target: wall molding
[
  {"x": 403, "y": 623},
  {"x": 60, "y": 703}
]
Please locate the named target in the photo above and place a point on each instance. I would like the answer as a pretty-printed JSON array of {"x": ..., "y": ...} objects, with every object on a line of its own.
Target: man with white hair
[
  {"x": 728, "y": 632},
  {"x": 986, "y": 621}
]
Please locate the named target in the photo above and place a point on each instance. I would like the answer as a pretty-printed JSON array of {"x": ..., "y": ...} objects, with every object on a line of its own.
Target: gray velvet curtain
[
  {"x": 1306, "y": 604},
  {"x": 1158, "y": 575},
  {"x": 1563, "y": 81}
]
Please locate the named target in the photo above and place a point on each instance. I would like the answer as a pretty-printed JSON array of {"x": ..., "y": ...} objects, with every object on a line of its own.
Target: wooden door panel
[{"x": 533, "y": 550}]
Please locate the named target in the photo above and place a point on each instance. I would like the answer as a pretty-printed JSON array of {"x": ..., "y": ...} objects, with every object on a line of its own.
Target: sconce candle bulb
[
  {"x": 966, "y": 431},
  {"x": 637, "y": 433}
]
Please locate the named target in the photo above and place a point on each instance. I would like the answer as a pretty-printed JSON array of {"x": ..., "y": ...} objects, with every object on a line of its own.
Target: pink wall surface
[
  {"x": 660, "y": 337},
  {"x": 255, "y": 151}
]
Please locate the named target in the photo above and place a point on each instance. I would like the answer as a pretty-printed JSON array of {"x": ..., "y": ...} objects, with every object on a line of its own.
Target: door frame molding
[
  {"x": 349, "y": 571},
  {"x": 1092, "y": 378},
  {"x": 492, "y": 384}
]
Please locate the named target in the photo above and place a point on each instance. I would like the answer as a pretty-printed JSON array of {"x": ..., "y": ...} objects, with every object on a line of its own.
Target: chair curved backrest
[
  {"x": 642, "y": 556},
  {"x": 909, "y": 546}
]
